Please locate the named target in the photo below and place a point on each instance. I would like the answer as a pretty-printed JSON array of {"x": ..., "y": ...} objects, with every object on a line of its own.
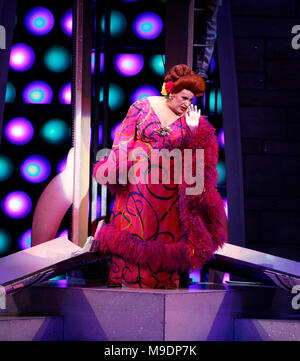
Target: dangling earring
[{"x": 170, "y": 97}]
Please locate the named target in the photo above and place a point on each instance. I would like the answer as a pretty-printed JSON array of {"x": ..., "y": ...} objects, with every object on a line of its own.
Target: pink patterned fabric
[{"x": 156, "y": 230}]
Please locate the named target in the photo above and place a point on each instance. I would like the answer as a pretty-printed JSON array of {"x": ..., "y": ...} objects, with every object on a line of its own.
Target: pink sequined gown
[{"x": 146, "y": 212}]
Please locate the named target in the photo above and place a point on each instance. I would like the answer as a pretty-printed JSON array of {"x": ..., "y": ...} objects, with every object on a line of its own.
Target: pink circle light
[
  {"x": 16, "y": 204},
  {"x": 128, "y": 64},
  {"x": 65, "y": 94},
  {"x": 22, "y": 57},
  {"x": 19, "y": 131},
  {"x": 66, "y": 22}
]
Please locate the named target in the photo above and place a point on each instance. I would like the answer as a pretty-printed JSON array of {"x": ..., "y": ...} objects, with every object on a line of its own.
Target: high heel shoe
[
  {"x": 89, "y": 243},
  {"x": 86, "y": 248}
]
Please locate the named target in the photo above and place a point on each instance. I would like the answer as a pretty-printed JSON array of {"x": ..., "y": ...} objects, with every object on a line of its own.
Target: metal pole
[{"x": 82, "y": 121}]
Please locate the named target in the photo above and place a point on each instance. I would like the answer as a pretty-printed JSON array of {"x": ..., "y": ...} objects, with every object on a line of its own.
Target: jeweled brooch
[{"x": 163, "y": 131}]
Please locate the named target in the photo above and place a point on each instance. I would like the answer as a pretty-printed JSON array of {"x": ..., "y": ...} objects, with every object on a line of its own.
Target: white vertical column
[{"x": 82, "y": 122}]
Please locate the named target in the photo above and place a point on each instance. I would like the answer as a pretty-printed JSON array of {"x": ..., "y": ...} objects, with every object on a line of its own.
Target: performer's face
[{"x": 181, "y": 101}]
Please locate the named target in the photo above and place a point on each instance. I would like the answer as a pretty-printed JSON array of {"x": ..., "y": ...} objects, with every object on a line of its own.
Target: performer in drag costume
[{"x": 160, "y": 228}]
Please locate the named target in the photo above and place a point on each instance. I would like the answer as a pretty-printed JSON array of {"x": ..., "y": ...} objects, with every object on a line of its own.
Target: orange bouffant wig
[{"x": 183, "y": 77}]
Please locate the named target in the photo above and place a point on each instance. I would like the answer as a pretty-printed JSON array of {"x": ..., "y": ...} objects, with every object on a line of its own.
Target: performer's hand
[{"x": 192, "y": 116}]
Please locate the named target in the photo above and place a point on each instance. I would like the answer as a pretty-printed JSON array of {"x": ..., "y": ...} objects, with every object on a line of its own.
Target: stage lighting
[
  {"x": 195, "y": 275},
  {"x": 19, "y": 131},
  {"x": 212, "y": 66},
  {"x": 128, "y": 64},
  {"x": 118, "y": 23},
  {"x": 219, "y": 102},
  {"x": 225, "y": 206},
  {"x": 39, "y": 21},
  {"x": 221, "y": 138},
  {"x": 147, "y": 25},
  {"x": 6, "y": 167},
  {"x": 221, "y": 172},
  {"x": 35, "y": 168},
  {"x": 37, "y": 92},
  {"x": 5, "y": 241},
  {"x": 63, "y": 233},
  {"x": 98, "y": 211},
  {"x": 157, "y": 64},
  {"x": 25, "y": 240},
  {"x": 142, "y": 92},
  {"x": 22, "y": 57},
  {"x": 100, "y": 134},
  {"x": 10, "y": 94},
  {"x": 57, "y": 59},
  {"x": 54, "y": 131},
  {"x": 16, "y": 204},
  {"x": 212, "y": 101},
  {"x": 204, "y": 101},
  {"x": 61, "y": 165},
  {"x": 114, "y": 130},
  {"x": 66, "y": 22},
  {"x": 116, "y": 96},
  {"x": 65, "y": 94},
  {"x": 93, "y": 62}
]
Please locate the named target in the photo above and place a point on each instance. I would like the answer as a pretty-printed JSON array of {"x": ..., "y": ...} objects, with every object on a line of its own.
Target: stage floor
[{"x": 200, "y": 312}]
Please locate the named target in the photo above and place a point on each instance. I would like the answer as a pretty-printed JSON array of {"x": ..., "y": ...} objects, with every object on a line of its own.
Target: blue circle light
[
  {"x": 5, "y": 241},
  {"x": 6, "y": 167},
  {"x": 10, "y": 94},
  {"x": 54, "y": 131},
  {"x": 221, "y": 168},
  {"x": 57, "y": 59},
  {"x": 39, "y": 21},
  {"x": 118, "y": 23},
  {"x": 35, "y": 169},
  {"x": 116, "y": 96},
  {"x": 25, "y": 240},
  {"x": 147, "y": 25},
  {"x": 157, "y": 64},
  {"x": 37, "y": 92},
  {"x": 142, "y": 92}
]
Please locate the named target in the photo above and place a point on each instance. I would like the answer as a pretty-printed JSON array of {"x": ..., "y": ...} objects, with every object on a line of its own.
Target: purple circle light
[
  {"x": 16, "y": 204},
  {"x": 19, "y": 131},
  {"x": 35, "y": 169},
  {"x": 225, "y": 203},
  {"x": 39, "y": 21},
  {"x": 221, "y": 138},
  {"x": 61, "y": 166},
  {"x": 147, "y": 25},
  {"x": 22, "y": 57},
  {"x": 65, "y": 94},
  {"x": 128, "y": 64},
  {"x": 64, "y": 233},
  {"x": 66, "y": 22},
  {"x": 37, "y": 92},
  {"x": 25, "y": 240},
  {"x": 142, "y": 92}
]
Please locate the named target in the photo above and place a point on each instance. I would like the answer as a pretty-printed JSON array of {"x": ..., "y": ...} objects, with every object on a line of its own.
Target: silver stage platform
[
  {"x": 56, "y": 310},
  {"x": 34, "y": 308}
]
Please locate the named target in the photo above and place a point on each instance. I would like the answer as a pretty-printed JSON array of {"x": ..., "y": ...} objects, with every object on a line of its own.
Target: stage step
[
  {"x": 31, "y": 328},
  {"x": 266, "y": 330},
  {"x": 206, "y": 312}
]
